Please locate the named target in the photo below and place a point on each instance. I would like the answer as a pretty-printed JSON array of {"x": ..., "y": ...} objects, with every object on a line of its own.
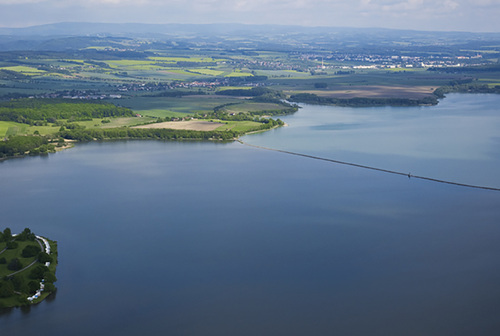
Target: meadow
[
  {"x": 12, "y": 128},
  {"x": 175, "y": 107}
]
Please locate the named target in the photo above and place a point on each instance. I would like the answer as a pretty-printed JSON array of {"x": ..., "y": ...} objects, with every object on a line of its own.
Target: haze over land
[{"x": 442, "y": 15}]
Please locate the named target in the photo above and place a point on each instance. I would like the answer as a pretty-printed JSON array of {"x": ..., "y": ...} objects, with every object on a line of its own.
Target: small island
[{"x": 27, "y": 268}]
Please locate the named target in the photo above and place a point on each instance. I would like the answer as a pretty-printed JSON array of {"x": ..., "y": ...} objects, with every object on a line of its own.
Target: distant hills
[
  {"x": 87, "y": 28},
  {"x": 78, "y": 35}
]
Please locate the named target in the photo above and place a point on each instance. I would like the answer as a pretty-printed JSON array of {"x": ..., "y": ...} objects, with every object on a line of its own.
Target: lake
[{"x": 193, "y": 238}]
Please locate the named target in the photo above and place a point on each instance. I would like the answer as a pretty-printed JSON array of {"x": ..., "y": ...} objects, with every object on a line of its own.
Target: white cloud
[
  {"x": 475, "y": 15},
  {"x": 17, "y": 2}
]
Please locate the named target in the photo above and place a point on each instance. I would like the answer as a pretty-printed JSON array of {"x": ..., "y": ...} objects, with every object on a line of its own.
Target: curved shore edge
[{"x": 45, "y": 285}]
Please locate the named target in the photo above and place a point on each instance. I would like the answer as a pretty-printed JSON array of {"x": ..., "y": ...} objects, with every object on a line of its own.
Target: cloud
[
  {"x": 17, "y": 2},
  {"x": 472, "y": 15}
]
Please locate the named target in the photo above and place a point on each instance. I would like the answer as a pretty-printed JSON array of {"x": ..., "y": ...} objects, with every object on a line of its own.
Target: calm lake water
[{"x": 166, "y": 238}]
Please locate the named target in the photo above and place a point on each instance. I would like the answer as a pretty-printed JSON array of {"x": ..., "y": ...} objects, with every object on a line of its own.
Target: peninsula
[
  {"x": 198, "y": 84},
  {"x": 27, "y": 268}
]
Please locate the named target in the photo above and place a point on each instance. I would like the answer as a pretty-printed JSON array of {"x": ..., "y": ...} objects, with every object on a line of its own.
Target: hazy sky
[{"x": 462, "y": 15}]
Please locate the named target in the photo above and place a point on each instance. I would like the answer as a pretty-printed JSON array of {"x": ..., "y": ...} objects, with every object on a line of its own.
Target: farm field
[
  {"x": 193, "y": 125},
  {"x": 166, "y": 81},
  {"x": 11, "y": 128},
  {"x": 253, "y": 107},
  {"x": 372, "y": 91},
  {"x": 173, "y": 106}
]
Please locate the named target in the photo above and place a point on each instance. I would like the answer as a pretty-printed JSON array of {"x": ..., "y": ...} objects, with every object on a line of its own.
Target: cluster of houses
[
  {"x": 374, "y": 61},
  {"x": 78, "y": 96},
  {"x": 162, "y": 86},
  {"x": 38, "y": 293}
]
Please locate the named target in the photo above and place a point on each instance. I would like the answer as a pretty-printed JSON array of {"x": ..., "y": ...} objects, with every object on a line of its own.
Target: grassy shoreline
[{"x": 17, "y": 287}]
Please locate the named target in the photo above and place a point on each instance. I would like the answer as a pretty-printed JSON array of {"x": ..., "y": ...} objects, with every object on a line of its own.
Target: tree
[
  {"x": 44, "y": 257},
  {"x": 38, "y": 272},
  {"x": 6, "y": 289},
  {"x": 18, "y": 282},
  {"x": 7, "y": 235},
  {"x": 49, "y": 277},
  {"x": 33, "y": 286},
  {"x": 12, "y": 245},
  {"x": 26, "y": 235},
  {"x": 15, "y": 265},
  {"x": 49, "y": 287},
  {"x": 30, "y": 251},
  {"x": 320, "y": 85}
]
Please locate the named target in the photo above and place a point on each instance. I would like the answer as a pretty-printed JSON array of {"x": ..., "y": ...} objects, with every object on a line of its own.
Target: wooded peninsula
[
  {"x": 27, "y": 268},
  {"x": 173, "y": 87}
]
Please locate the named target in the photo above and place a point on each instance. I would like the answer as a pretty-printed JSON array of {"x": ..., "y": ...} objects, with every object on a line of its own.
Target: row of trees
[
  {"x": 468, "y": 69},
  {"x": 310, "y": 98},
  {"x": 31, "y": 111},
  {"x": 21, "y": 145},
  {"x": 160, "y": 134},
  {"x": 12, "y": 285},
  {"x": 253, "y": 92},
  {"x": 145, "y": 133},
  {"x": 466, "y": 88}
]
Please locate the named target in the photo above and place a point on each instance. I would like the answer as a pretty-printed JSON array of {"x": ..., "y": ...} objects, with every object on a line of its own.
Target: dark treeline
[
  {"x": 145, "y": 133},
  {"x": 466, "y": 88},
  {"x": 220, "y": 112},
  {"x": 468, "y": 69},
  {"x": 35, "y": 111},
  {"x": 12, "y": 75},
  {"x": 159, "y": 134},
  {"x": 51, "y": 51},
  {"x": 253, "y": 92},
  {"x": 176, "y": 93},
  {"x": 310, "y": 98},
  {"x": 21, "y": 145}
]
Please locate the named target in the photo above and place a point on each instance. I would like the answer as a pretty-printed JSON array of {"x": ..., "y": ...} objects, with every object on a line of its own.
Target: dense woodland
[
  {"x": 158, "y": 134},
  {"x": 21, "y": 145},
  {"x": 311, "y": 98},
  {"x": 466, "y": 88},
  {"x": 39, "y": 111},
  {"x": 26, "y": 283}
]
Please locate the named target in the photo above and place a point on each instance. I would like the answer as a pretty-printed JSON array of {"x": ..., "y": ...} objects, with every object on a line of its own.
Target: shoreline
[{"x": 20, "y": 300}]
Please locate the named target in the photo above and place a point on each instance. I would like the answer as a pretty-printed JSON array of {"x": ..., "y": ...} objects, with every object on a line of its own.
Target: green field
[
  {"x": 186, "y": 104},
  {"x": 146, "y": 72},
  {"x": 24, "y": 70},
  {"x": 239, "y": 126},
  {"x": 16, "y": 253},
  {"x": 253, "y": 107},
  {"x": 208, "y": 72},
  {"x": 238, "y": 74},
  {"x": 160, "y": 113},
  {"x": 12, "y": 128},
  {"x": 185, "y": 59},
  {"x": 224, "y": 88}
]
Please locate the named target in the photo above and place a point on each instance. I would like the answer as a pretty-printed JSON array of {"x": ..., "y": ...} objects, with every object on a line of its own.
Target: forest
[{"x": 38, "y": 111}]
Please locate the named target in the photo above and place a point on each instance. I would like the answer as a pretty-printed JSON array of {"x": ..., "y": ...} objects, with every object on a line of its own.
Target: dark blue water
[{"x": 167, "y": 238}]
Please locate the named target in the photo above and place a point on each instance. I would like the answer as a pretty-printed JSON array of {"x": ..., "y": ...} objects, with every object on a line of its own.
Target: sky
[{"x": 441, "y": 15}]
